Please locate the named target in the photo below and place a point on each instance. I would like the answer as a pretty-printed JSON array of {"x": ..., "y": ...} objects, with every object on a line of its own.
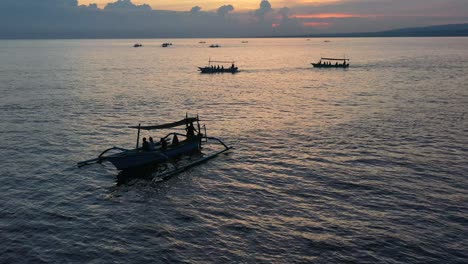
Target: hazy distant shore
[{"x": 453, "y": 30}]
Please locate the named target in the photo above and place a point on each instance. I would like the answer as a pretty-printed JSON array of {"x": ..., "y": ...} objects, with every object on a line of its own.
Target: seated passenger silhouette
[
  {"x": 175, "y": 140},
  {"x": 145, "y": 146},
  {"x": 163, "y": 144},
  {"x": 151, "y": 144}
]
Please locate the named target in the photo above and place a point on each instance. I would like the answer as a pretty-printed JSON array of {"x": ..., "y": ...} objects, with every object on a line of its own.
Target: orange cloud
[
  {"x": 316, "y": 24},
  {"x": 329, "y": 15}
]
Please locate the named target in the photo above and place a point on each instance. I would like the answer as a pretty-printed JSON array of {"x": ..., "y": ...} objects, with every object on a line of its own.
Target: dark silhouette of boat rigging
[
  {"x": 212, "y": 68},
  {"x": 167, "y": 151},
  {"x": 328, "y": 63}
]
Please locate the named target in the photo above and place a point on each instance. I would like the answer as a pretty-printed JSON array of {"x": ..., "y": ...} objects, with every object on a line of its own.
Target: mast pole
[{"x": 138, "y": 136}]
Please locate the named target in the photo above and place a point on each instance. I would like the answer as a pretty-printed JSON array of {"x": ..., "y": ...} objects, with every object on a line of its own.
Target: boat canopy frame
[
  {"x": 182, "y": 122},
  {"x": 210, "y": 61},
  {"x": 186, "y": 121},
  {"x": 334, "y": 59}
]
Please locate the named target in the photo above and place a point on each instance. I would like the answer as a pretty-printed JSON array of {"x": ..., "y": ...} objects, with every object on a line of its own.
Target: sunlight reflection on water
[{"x": 329, "y": 165}]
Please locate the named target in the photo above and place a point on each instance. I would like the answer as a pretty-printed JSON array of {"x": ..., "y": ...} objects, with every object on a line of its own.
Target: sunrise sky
[
  {"x": 220, "y": 18},
  {"x": 340, "y": 8},
  {"x": 184, "y": 5}
]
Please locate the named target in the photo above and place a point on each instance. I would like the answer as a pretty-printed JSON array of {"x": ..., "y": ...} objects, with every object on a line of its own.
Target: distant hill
[{"x": 431, "y": 31}]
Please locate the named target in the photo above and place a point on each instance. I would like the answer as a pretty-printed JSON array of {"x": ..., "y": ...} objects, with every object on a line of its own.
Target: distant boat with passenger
[
  {"x": 138, "y": 45},
  {"x": 328, "y": 63},
  {"x": 214, "y": 46},
  {"x": 165, "y": 45},
  {"x": 211, "y": 68}
]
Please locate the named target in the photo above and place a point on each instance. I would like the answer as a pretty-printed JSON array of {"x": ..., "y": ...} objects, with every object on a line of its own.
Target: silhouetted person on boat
[
  {"x": 190, "y": 131},
  {"x": 163, "y": 144},
  {"x": 233, "y": 66},
  {"x": 175, "y": 140},
  {"x": 151, "y": 144},
  {"x": 145, "y": 146}
]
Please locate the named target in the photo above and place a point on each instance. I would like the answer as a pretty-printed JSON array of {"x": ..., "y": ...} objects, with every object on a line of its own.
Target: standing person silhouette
[{"x": 190, "y": 131}]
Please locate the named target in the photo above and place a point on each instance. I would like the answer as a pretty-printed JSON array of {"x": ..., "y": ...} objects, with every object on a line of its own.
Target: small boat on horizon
[
  {"x": 165, "y": 45},
  {"x": 138, "y": 45},
  {"x": 214, "y": 46},
  {"x": 211, "y": 68},
  {"x": 328, "y": 63},
  {"x": 165, "y": 151}
]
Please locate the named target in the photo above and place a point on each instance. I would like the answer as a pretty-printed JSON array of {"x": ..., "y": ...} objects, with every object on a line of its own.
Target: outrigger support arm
[
  {"x": 99, "y": 159},
  {"x": 168, "y": 174},
  {"x": 221, "y": 142}
]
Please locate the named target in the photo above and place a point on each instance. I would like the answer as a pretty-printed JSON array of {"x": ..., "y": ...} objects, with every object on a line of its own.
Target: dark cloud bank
[{"x": 124, "y": 19}]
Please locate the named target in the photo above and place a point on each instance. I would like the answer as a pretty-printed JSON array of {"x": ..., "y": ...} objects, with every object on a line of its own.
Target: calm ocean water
[{"x": 364, "y": 165}]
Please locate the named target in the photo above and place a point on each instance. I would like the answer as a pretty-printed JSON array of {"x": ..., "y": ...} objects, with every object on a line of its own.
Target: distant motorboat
[
  {"x": 167, "y": 44},
  {"x": 137, "y": 45},
  {"x": 328, "y": 63},
  {"x": 214, "y": 46},
  {"x": 219, "y": 69}
]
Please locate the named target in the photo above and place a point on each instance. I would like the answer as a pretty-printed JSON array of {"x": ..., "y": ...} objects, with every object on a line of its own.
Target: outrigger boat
[
  {"x": 328, "y": 63},
  {"x": 163, "y": 152},
  {"x": 219, "y": 69}
]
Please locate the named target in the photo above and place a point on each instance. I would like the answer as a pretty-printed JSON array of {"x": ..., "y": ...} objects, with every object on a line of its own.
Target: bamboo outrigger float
[
  {"x": 328, "y": 63},
  {"x": 211, "y": 68},
  {"x": 163, "y": 152}
]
